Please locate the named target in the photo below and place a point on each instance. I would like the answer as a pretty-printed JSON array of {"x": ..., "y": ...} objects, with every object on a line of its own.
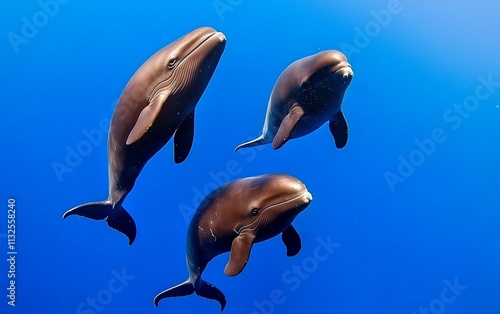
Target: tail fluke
[
  {"x": 206, "y": 290},
  {"x": 123, "y": 222},
  {"x": 256, "y": 142},
  {"x": 117, "y": 218},
  {"x": 96, "y": 210},
  {"x": 182, "y": 289},
  {"x": 211, "y": 292}
]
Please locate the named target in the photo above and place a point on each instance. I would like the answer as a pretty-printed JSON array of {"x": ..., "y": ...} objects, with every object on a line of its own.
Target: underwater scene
[{"x": 250, "y": 157}]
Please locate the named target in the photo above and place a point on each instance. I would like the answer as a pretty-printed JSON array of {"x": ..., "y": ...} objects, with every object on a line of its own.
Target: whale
[
  {"x": 307, "y": 94},
  {"x": 231, "y": 219},
  {"x": 157, "y": 103}
]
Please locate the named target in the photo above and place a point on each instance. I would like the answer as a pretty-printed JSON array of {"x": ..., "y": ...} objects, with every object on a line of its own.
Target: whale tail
[
  {"x": 206, "y": 290},
  {"x": 256, "y": 142},
  {"x": 117, "y": 218}
]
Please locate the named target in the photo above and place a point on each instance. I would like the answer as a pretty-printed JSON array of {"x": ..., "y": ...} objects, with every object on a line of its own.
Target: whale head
[
  {"x": 269, "y": 204},
  {"x": 187, "y": 64}
]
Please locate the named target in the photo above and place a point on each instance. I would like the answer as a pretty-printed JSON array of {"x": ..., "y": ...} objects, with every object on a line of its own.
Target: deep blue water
[{"x": 403, "y": 234}]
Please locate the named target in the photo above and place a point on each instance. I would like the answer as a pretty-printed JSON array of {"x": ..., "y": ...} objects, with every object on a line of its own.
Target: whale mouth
[
  {"x": 341, "y": 72},
  {"x": 301, "y": 199},
  {"x": 345, "y": 71},
  {"x": 304, "y": 197},
  {"x": 220, "y": 36},
  {"x": 295, "y": 204},
  {"x": 340, "y": 66}
]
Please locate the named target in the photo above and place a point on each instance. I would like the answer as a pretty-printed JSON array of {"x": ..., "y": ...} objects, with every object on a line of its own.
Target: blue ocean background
[{"x": 402, "y": 234}]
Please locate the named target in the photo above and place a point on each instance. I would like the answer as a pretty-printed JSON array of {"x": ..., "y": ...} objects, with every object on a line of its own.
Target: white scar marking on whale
[{"x": 213, "y": 234}]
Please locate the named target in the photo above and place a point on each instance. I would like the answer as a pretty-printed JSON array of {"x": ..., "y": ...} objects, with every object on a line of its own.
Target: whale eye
[
  {"x": 172, "y": 62},
  {"x": 255, "y": 210}
]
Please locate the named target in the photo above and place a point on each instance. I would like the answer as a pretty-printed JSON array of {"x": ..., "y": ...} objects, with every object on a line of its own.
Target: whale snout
[
  {"x": 220, "y": 36},
  {"x": 204, "y": 39},
  {"x": 214, "y": 43},
  {"x": 282, "y": 193},
  {"x": 302, "y": 201},
  {"x": 296, "y": 199},
  {"x": 292, "y": 188},
  {"x": 307, "y": 197},
  {"x": 345, "y": 72},
  {"x": 331, "y": 65},
  {"x": 203, "y": 32}
]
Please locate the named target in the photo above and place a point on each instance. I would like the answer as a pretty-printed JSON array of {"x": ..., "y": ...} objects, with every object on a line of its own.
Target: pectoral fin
[
  {"x": 183, "y": 139},
  {"x": 339, "y": 130},
  {"x": 240, "y": 252},
  {"x": 292, "y": 241},
  {"x": 146, "y": 118},
  {"x": 287, "y": 126}
]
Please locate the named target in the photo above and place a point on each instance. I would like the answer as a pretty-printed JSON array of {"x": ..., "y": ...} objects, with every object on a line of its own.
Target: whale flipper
[
  {"x": 292, "y": 241},
  {"x": 240, "y": 252},
  {"x": 206, "y": 290},
  {"x": 339, "y": 129},
  {"x": 287, "y": 126},
  {"x": 256, "y": 142},
  {"x": 146, "y": 118},
  {"x": 117, "y": 218},
  {"x": 183, "y": 139}
]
